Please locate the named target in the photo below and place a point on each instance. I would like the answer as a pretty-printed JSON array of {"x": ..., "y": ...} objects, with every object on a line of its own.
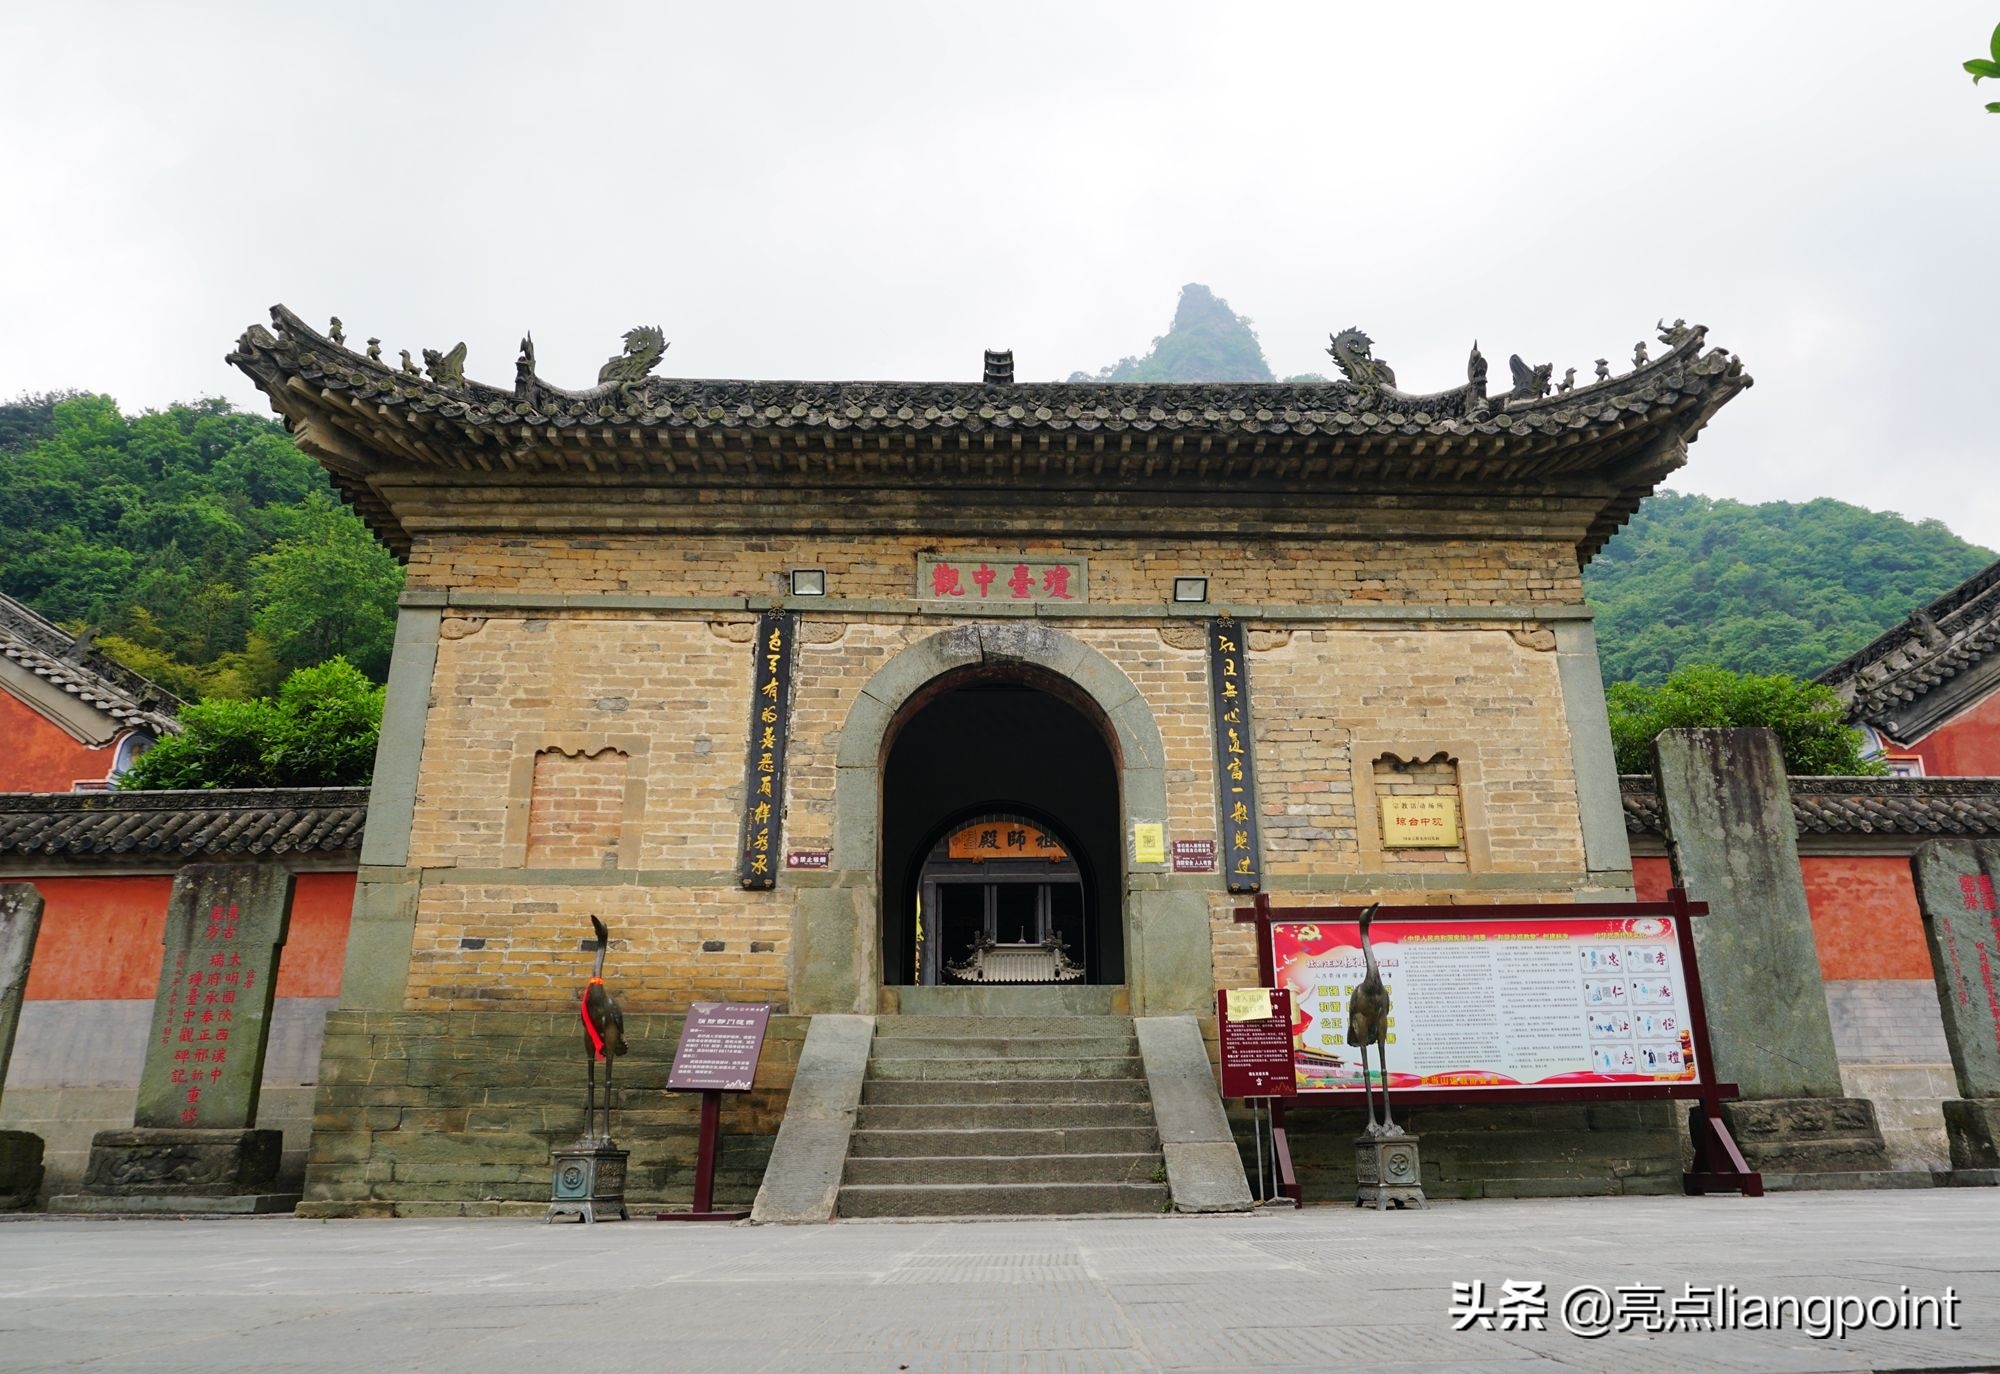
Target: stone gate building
[{"x": 752, "y": 670}]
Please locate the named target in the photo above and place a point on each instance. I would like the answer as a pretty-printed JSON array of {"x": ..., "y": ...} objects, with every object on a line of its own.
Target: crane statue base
[
  {"x": 589, "y": 1181},
  {"x": 1387, "y": 1171}
]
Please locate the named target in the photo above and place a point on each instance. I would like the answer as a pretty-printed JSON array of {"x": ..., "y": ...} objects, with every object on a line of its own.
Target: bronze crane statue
[
  {"x": 603, "y": 1036},
  {"x": 1368, "y": 1024}
]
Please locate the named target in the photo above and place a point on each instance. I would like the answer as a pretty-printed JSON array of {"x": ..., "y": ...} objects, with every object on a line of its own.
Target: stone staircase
[{"x": 1003, "y": 1115}]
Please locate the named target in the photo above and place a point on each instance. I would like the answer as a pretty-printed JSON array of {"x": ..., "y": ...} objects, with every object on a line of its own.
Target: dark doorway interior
[{"x": 990, "y": 748}]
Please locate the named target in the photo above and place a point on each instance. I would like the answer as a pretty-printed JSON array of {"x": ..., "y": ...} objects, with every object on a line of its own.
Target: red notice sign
[
  {"x": 1256, "y": 1049},
  {"x": 719, "y": 1047}
]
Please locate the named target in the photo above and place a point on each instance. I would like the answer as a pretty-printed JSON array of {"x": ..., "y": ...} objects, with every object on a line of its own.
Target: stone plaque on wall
[{"x": 212, "y": 1012}]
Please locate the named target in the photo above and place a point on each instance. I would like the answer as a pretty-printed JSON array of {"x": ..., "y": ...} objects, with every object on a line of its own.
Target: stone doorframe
[{"x": 836, "y": 929}]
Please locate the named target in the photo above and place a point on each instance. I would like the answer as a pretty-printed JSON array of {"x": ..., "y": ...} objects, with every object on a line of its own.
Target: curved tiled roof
[
  {"x": 92, "y": 678},
  {"x": 1907, "y": 680},
  {"x": 359, "y": 415},
  {"x": 218, "y": 824},
  {"x": 1858, "y": 806}
]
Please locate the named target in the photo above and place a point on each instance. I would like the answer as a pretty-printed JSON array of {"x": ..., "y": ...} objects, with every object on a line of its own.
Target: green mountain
[
  {"x": 1207, "y": 342},
  {"x": 210, "y": 553},
  {"x": 1771, "y": 588}
]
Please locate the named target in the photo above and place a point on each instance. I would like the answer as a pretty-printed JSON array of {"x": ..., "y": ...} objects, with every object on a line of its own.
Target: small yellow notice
[
  {"x": 1420, "y": 822},
  {"x": 1149, "y": 842},
  {"x": 1249, "y": 1004}
]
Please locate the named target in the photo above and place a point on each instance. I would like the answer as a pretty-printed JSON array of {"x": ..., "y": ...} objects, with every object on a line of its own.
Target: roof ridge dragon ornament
[
  {"x": 645, "y": 345},
  {"x": 1350, "y": 351}
]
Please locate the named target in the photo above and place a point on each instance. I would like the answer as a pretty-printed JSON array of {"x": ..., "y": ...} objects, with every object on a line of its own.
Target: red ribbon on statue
[{"x": 590, "y": 1026}]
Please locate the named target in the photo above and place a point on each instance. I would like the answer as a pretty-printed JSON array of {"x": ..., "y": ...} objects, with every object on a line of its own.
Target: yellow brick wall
[
  {"x": 665, "y": 697},
  {"x": 576, "y": 809},
  {"x": 1249, "y": 571}
]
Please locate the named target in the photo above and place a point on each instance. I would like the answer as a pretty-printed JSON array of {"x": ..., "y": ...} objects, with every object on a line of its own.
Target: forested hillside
[
  {"x": 209, "y": 552},
  {"x": 1771, "y": 588}
]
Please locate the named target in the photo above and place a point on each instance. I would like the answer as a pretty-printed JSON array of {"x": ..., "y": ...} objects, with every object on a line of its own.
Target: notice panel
[
  {"x": 1545, "y": 1002},
  {"x": 1255, "y": 1026},
  {"x": 719, "y": 1047}
]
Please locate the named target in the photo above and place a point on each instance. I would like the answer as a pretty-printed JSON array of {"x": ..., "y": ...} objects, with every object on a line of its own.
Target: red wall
[
  {"x": 101, "y": 937},
  {"x": 1966, "y": 746},
  {"x": 37, "y": 755},
  {"x": 1864, "y": 913}
]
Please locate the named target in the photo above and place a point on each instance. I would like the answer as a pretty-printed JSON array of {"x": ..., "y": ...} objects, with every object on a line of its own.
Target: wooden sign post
[{"x": 718, "y": 1052}]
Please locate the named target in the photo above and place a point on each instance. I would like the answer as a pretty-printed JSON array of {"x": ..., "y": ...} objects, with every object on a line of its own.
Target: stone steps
[
  {"x": 1011, "y": 1114},
  {"x": 988, "y": 1070},
  {"x": 902, "y": 1028},
  {"x": 1002, "y": 1000},
  {"x": 947, "y": 1092},
  {"x": 1129, "y": 1167},
  {"x": 1001, "y": 1199},
  {"x": 1005, "y": 1140},
  {"x": 995, "y": 1116},
  {"x": 987, "y": 1047}
]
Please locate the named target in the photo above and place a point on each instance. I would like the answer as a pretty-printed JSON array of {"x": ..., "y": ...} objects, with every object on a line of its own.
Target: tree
[
  {"x": 1810, "y": 723},
  {"x": 331, "y": 590},
  {"x": 319, "y": 731},
  {"x": 1981, "y": 67},
  {"x": 148, "y": 528}
]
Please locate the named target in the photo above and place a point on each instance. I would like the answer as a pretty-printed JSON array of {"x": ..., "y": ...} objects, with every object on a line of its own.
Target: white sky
[{"x": 881, "y": 190}]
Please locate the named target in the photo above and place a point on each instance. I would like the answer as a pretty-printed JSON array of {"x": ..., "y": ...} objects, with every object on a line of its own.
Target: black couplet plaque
[
  {"x": 764, "y": 765},
  {"x": 1235, "y": 764}
]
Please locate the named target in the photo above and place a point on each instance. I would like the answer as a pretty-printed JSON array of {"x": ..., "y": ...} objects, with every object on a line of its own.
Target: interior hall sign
[
  {"x": 764, "y": 766},
  {"x": 1255, "y": 1025},
  {"x": 983, "y": 840},
  {"x": 1235, "y": 768},
  {"x": 1001, "y": 579},
  {"x": 719, "y": 1047}
]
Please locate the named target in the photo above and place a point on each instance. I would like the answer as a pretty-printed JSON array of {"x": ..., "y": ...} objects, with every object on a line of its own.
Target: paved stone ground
[{"x": 1323, "y": 1289}]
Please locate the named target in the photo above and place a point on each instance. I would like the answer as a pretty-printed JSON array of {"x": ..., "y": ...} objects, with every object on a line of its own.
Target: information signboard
[
  {"x": 1255, "y": 1025},
  {"x": 719, "y": 1047},
  {"x": 1540, "y": 1002}
]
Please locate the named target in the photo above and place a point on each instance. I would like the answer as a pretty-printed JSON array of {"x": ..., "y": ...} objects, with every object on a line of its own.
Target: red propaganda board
[
  {"x": 1257, "y": 1051},
  {"x": 1531, "y": 1002},
  {"x": 719, "y": 1047}
]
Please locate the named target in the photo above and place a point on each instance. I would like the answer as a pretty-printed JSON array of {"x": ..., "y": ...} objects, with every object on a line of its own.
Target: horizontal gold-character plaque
[{"x": 1420, "y": 822}]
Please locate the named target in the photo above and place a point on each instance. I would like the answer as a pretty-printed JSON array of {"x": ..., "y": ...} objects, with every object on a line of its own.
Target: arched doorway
[{"x": 983, "y": 750}]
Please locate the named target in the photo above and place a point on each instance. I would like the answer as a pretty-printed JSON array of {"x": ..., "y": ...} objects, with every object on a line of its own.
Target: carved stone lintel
[
  {"x": 1540, "y": 640},
  {"x": 182, "y": 1162},
  {"x": 735, "y": 631},
  {"x": 461, "y": 626},
  {"x": 823, "y": 631},
  {"x": 1262, "y": 640},
  {"x": 1183, "y": 636}
]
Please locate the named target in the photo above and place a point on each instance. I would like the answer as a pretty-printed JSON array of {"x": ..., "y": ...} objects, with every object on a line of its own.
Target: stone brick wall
[{"x": 435, "y": 1113}]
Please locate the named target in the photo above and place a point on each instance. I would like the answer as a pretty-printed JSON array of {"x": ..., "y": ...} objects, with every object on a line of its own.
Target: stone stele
[
  {"x": 1734, "y": 845},
  {"x": 20, "y": 923},
  {"x": 1956, "y": 882},
  {"x": 193, "y": 1135}
]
